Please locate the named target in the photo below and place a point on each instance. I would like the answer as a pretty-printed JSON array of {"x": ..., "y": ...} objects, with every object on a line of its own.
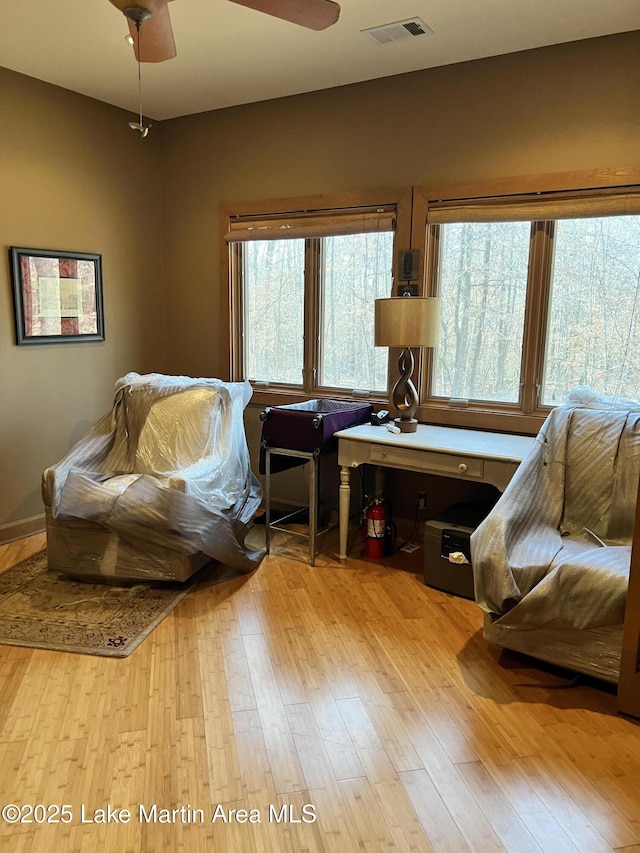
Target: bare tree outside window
[
  {"x": 354, "y": 271},
  {"x": 274, "y": 310},
  {"x": 539, "y": 292},
  {"x": 593, "y": 335},
  {"x": 482, "y": 286},
  {"x": 357, "y": 271}
]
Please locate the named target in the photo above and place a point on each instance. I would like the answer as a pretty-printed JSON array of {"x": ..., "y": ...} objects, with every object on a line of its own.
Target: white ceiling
[{"x": 229, "y": 55}]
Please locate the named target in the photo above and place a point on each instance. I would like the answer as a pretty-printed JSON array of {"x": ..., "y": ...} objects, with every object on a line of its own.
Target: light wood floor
[{"x": 354, "y": 689}]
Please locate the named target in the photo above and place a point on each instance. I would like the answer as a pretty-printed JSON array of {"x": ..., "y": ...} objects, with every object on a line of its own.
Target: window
[
  {"x": 593, "y": 334},
  {"x": 538, "y": 295},
  {"x": 483, "y": 286},
  {"x": 274, "y": 310},
  {"x": 303, "y": 290},
  {"x": 356, "y": 272}
]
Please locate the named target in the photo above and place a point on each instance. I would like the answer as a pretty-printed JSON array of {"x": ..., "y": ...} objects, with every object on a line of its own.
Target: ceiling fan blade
[
  {"x": 313, "y": 14},
  {"x": 156, "y": 42}
]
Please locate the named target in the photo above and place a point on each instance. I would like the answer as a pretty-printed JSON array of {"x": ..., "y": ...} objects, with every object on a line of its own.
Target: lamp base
[
  {"x": 404, "y": 395},
  {"x": 406, "y": 424}
]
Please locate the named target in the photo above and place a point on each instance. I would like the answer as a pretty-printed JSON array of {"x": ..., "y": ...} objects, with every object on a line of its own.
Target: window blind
[
  {"x": 535, "y": 208},
  {"x": 313, "y": 224}
]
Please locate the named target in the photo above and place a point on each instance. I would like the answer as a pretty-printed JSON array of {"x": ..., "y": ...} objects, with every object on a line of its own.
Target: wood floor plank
[
  {"x": 337, "y": 742},
  {"x": 257, "y": 778},
  {"x": 381, "y": 600},
  {"x": 499, "y": 736},
  {"x": 516, "y": 786},
  {"x": 399, "y": 589},
  {"x": 335, "y": 825},
  {"x": 127, "y": 785},
  {"x": 220, "y": 639},
  {"x": 363, "y": 816},
  {"x": 328, "y": 641},
  {"x": 391, "y": 797},
  {"x": 310, "y": 749},
  {"x": 283, "y": 758},
  {"x": 12, "y": 672},
  {"x": 188, "y": 680},
  {"x": 193, "y": 786},
  {"x": 304, "y": 836},
  {"x": 555, "y": 786},
  {"x": 160, "y": 778},
  {"x": 418, "y": 662},
  {"x": 244, "y": 605},
  {"x": 353, "y": 691},
  {"x": 395, "y": 739},
  {"x": 363, "y": 609},
  {"x": 13, "y": 758},
  {"x": 471, "y": 822},
  {"x": 362, "y": 653},
  {"x": 503, "y": 818},
  {"x": 14, "y": 552},
  {"x": 24, "y": 843},
  {"x": 437, "y": 822},
  {"x": 285, "y": 667}
]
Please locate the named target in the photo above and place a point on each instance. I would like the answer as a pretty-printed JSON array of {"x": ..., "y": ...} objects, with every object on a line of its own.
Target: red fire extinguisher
[{"x": 377, "y": 520}]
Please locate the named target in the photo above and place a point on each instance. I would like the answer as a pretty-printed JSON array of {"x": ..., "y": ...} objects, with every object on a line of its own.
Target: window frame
[
  {"x": 528, "y": 414},
  {"x": 400, "y": 199}
]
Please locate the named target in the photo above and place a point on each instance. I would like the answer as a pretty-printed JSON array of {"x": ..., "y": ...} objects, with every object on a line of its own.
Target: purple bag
[{"x": 308, "y": 426}]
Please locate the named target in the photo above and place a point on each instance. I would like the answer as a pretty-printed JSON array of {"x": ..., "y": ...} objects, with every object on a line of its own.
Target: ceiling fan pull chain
[
  {"x": 139, "y": 73},
  {"x": 138, "y": 126}
]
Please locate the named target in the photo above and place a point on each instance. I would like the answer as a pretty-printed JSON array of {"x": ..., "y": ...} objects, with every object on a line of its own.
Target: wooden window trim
[
  {"x": 412, "y": 205},
  {"x": 629, "y": 684},
  {"x": 528, "y": 416},
  {"x": 400, "y": 198}
]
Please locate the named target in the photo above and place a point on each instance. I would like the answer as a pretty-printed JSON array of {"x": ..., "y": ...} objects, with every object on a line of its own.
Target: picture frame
[{"x": 57, "y": 296}]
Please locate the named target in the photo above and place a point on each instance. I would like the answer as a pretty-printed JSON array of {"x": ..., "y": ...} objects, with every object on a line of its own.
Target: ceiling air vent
[{"x": 400, "y": 31}]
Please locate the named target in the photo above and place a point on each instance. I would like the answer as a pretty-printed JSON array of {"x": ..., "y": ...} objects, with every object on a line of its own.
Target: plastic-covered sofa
[
  {"x": 551, "y": 561},
  {"x": 158, "y": 487}
]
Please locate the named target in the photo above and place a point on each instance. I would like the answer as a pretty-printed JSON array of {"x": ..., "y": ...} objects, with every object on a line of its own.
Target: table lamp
[{"x": 406, "y": 321}]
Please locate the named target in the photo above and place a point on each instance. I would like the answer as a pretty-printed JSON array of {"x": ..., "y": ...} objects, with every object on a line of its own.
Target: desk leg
[{"x": 345, "y": 503}]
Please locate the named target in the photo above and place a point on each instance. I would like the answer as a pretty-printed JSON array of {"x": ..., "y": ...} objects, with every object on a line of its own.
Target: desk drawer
[{"x": 427, "y": 461}]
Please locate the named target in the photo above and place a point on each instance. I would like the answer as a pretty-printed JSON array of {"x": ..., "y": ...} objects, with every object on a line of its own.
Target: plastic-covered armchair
[
  {"x": 551, "y": 561},
  {"x": 157, "y": 487}
]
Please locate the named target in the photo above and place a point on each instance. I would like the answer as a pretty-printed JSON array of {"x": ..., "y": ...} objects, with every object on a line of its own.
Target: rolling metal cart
[{"x": 298, "y": 433}]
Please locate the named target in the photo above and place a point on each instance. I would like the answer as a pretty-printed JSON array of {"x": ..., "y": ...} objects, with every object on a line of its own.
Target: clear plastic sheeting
[
  {"x": 89, "y": 551},
  {"x": 595, "y": 652},
  {"x": 158, "y": 486},
  {"x": 551, "y": 561}
]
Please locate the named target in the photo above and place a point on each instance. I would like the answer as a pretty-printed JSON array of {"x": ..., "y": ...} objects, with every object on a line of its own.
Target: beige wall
[
  {"x": 74, "y": 177},
  {"x": 569, "y": 107},
  {"x": 565, "y": 108}
]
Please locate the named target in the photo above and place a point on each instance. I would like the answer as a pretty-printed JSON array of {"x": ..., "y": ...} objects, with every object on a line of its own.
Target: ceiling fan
[{"x": 158, "y": 44}]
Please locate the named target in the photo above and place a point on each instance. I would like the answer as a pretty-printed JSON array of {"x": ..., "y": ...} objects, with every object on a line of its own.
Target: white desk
[{"x": 482, "y": 457}]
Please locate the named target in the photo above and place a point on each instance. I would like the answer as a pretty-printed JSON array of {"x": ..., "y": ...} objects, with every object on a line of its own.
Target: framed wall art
[{"x": 57, "y": 296}]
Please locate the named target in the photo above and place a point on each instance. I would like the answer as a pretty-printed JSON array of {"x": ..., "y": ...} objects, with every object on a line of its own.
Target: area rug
[{"x": 46, "y": 610}]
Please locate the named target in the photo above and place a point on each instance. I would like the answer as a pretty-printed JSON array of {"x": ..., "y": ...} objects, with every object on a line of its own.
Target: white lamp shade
[{"x": 407, "y": 321}]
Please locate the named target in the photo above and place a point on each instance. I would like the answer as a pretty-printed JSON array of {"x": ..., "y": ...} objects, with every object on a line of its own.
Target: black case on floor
[{"x": 448, "y": 532}]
